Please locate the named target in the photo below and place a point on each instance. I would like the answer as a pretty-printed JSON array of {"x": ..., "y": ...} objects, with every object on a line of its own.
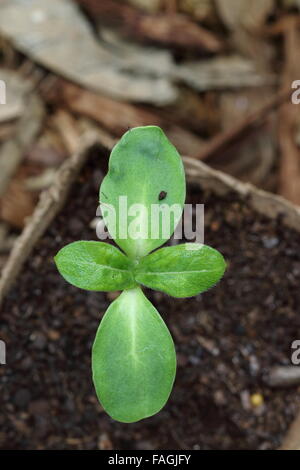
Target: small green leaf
[
  {"x": 96, "y": 266},
  {"x": 133, "y": 359},
  {"x": 146, "y": 170},
  {"x": 181, "y": 271}
]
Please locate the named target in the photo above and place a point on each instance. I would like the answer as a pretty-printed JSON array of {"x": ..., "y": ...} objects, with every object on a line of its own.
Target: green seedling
[{"x": 133, "y": 356}]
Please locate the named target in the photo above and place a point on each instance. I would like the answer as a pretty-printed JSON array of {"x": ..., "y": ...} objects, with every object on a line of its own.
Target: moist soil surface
[{"x": 227, "y": 340}]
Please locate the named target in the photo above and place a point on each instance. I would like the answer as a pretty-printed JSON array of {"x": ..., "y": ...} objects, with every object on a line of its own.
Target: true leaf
[
  {"x": 181, "y": 271},
  {"x": 147, "y": 169},
  {"x": 95, "y": 266},
  {"x": 133, "y": 359}
]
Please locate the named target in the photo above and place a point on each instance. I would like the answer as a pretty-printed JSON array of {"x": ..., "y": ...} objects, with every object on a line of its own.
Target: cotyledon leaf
[
  {"x": 133, "y": 359},
  {"x": 145, "y": 174},
  {"x": 95, "y": 266},
  {"x": 181, "y": 271}
]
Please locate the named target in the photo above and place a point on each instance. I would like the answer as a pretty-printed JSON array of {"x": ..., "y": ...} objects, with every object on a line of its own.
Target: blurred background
[{"x": 216, "y": 75}]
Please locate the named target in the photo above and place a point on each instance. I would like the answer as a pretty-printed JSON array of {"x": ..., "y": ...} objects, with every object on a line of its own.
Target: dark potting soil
[{"x": 227, "y": 340}]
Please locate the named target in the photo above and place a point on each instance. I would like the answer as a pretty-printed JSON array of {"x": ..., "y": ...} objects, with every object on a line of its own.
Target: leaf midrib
[
  {"x": 177, "y": 272},
  {"x": 93, "y": 263}
]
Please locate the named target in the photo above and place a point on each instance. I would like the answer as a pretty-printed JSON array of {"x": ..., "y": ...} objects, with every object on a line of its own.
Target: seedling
[{"x": 133, "y": 356}]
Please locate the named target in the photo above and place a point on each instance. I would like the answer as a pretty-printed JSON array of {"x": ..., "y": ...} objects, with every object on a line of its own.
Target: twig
[
  {"x": 169, "y": 29},
  {"x": 117, "y": 116},
  {"x": 280, "y": 26},
  {"x": 289, "y": 171},
  {"x": 13, "y": 150},
  {"x": 67, "y": 127},
  {"x": 252, "y": 121}
]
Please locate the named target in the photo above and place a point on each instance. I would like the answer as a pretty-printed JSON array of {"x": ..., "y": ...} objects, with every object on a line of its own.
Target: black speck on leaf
[{"x": 162, "y": 195}]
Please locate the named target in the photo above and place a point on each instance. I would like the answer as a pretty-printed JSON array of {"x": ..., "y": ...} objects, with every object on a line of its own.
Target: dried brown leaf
[
  {"x": 58, "y": 36},
  {"x": 117, "y": 116},
  {"x": 17, "y": 204},
  {"x": 244, "y": 13}
]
